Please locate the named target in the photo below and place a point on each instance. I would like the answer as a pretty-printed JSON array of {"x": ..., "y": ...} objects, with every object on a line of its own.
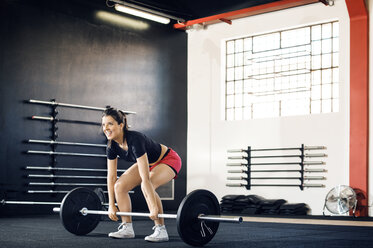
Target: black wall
[{"x": 62, "y": 50}]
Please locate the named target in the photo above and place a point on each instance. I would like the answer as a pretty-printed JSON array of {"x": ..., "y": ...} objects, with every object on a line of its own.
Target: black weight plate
[
  {"x": 70, "y": 215},
  {"x": 189, "y": 226},
  {"x": 100, "y": 193}
]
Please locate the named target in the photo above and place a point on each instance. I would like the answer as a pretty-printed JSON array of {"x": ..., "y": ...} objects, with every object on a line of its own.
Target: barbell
[{"x": 197, "y": 218}]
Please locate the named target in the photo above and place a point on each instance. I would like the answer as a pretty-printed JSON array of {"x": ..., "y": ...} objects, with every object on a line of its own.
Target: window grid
[{"x": 290, "y": 72}]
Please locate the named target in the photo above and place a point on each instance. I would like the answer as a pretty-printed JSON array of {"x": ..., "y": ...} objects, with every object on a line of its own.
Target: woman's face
[{"x": 111, "y": 128}]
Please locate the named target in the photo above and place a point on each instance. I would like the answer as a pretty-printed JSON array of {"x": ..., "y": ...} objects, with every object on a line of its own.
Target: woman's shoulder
[
  {"x": 134, "y": 137},
  {"x": 134, "y": 134},
  {"x": 112, "y": 145}
]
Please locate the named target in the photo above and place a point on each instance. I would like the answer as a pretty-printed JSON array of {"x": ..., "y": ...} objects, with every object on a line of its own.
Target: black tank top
[{"x": 138, "y": 145}]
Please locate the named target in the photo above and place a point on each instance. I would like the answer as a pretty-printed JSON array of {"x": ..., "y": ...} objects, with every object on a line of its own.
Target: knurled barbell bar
[
  {"x": 197, "y": 218},
  {"x": 98, "y": 191}
]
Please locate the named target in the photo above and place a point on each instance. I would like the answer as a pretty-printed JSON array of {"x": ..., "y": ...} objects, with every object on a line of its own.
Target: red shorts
[{"x": 172, "y": 159}]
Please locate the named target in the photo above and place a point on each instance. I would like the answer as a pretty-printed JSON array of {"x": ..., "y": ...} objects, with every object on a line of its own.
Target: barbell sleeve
[
  {"x": 315, "y": 148},
  {"x": 314, "y": 178},
  {"x": 236, "y": 178},
  {"x": 236, "y": 164},
  {"x": 315, "y": 170},
  {"x": 235, "y": 150},
  {"x": 237, "y": 171},
  {"x": 314, "y": 163},
  {"x": 235, "y": 185},
  {"x": 45, "y": 118},
  {"x": 237, "y": 157},
  {"x": 308, "y": 185},
  {"x": 218, "y": 218},
  {"x": 315, "y": 155}
]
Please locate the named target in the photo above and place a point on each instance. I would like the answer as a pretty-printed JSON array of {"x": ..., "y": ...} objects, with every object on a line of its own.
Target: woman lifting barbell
[{"x": 154, "y": 165}]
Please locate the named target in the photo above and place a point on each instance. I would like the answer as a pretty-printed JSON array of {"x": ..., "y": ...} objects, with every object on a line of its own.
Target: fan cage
[{"x": 340, "y": 200}]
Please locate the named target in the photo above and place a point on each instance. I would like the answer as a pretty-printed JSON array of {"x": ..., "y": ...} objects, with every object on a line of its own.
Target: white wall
[{"x": 209, "y": 136}]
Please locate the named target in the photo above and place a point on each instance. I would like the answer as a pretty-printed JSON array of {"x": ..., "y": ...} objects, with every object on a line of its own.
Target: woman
[{"x": 154, "y": 165}]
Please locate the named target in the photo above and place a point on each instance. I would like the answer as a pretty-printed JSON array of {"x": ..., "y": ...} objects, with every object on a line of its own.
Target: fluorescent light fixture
[
  {"x": 121, "y": 21},
  {"x": 142, "y": 14}
]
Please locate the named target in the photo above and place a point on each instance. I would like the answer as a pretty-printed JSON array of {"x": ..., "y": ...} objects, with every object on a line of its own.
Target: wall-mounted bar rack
[
  {"x": 55, "y": 178},
  {"x": 279, "y": 170}
]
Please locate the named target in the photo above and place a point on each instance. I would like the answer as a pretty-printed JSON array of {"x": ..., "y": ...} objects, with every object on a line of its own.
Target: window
[{"x": 291, "y": 72}]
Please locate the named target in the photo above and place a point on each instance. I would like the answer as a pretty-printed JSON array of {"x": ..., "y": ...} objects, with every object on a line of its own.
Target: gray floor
[{"x": 47, "y": 231}]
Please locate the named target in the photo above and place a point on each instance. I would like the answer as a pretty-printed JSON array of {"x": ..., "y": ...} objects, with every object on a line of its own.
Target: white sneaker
[
  {"x": 159, "y": 235},
  {"x": 125, "y": 231}
]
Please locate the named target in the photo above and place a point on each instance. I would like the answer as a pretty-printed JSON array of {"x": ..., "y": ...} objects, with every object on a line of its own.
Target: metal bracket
[{"x": 327, "y": 2}]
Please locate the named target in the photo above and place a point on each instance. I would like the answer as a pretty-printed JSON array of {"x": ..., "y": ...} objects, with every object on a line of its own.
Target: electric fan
[{"x": 340, "y": 200}]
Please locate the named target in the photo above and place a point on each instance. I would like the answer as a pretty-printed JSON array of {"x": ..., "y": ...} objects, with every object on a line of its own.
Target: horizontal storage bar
[
  {"x": 52, "y": 142},
  {"x": 67, "y": 153},
  {"x": 53, "y": 103},
  {"x": 279, "y": 178},
  {"x": 66, "y": 184},
  {"x": 66, "y": 176},
  {"x": 264, "y": 171},
  {"x": 4, "y": 202},
  {"x": 57, "y": 192},
  {"x": 50, "y": 191},
  {"x": 282, "y": 156},
  {"x": 52, "y": 119},
  {"x": 308, "y": 148},
  {"x": 282, "y": 163},
  {"x": 49, "y": 168},
  {"x": 276, "y": 185}
]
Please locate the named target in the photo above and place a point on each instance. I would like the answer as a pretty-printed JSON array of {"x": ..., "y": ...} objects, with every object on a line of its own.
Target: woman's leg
[
  {"x": 161, "y": 174},
  {"x": 129, "y": 180}
]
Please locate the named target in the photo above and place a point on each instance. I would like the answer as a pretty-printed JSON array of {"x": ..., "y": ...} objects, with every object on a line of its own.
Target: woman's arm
[
  {"x": 111, "y": 179},
  {"x": 147, "y": 186}
]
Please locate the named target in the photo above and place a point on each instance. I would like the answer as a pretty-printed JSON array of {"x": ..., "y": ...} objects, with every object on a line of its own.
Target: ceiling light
[{"x": 142, "y": 14}]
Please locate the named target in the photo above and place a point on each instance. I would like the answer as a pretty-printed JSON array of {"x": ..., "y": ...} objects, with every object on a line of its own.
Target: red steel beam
[
  {"x": 260, "y": 9},
  {"x": 359, "y": 101}
]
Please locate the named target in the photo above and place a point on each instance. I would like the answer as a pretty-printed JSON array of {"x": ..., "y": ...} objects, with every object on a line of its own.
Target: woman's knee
[{"x": 121, "y": 187}]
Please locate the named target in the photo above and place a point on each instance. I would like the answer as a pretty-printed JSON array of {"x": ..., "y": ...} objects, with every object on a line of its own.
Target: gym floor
[{"x": 47, "y": 231}]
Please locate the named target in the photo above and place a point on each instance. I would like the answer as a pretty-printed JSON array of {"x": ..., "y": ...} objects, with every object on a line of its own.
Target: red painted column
[{"x": 359, "y": 101}]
